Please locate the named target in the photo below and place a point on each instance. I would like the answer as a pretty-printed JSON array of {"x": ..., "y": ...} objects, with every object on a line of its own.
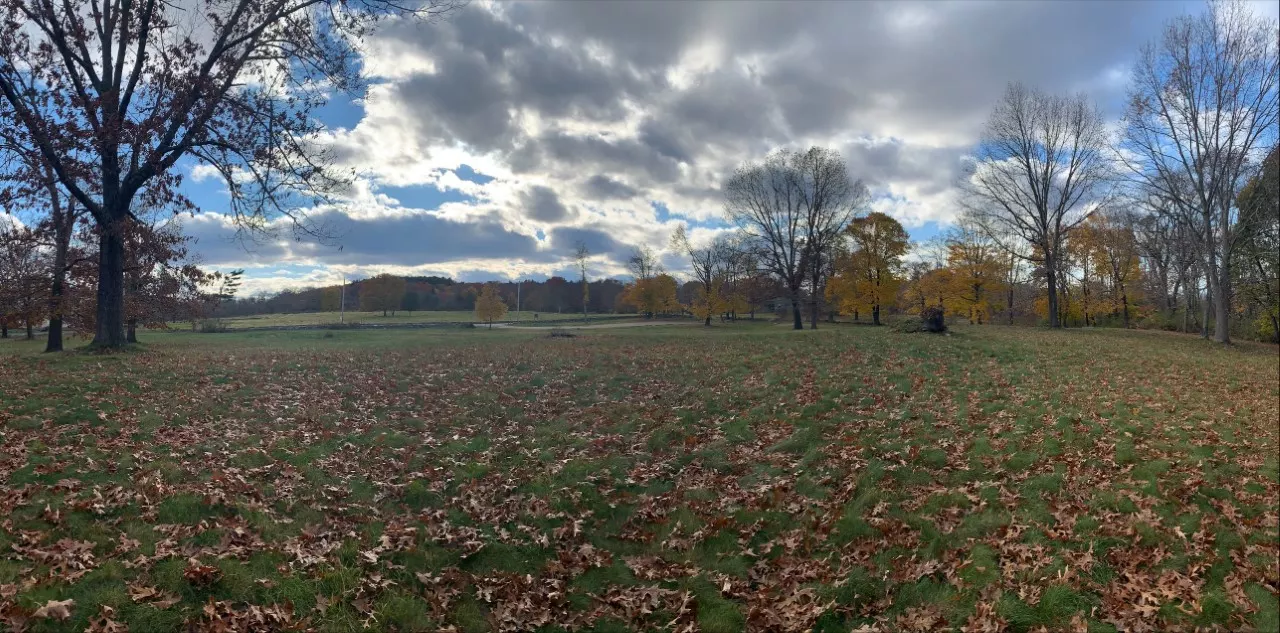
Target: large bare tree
[
  {"x": 1041, "y": 168},
  {"x": 793, "y": 206},
  {"x": 131, "y": 87},
  {"x": 1202, "y": 112}
]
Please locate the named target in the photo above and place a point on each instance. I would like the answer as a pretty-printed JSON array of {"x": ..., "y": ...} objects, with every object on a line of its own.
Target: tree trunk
[
  {"x": 1222, "y": 306},
  {"x": 4, "y": 330},
  {"x": 1052, "y": 277},
  {"x": 53, "y": 342},
  {"x": 875, "y": 314},
  {"x": 131, "y": 331},
  {"x": 795, "y": 310},
  {"x": 814, "y": 313},
  {"x": 109, "y": 328},
  {"x": 1204, "y": 310},
  {"x": 30, "y": 330},
  {"x": 708, "y": 321},
  {"x": 1124, "y": 300},
  {"x": 1011, "y": 304}
]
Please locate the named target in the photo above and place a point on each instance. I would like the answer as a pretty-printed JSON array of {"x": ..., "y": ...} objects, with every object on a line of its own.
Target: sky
[{"x": 490, "y": 143}]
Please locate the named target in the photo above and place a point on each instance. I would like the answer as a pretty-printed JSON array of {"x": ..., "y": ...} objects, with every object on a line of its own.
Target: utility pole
[{"x": 342, "y": 301}]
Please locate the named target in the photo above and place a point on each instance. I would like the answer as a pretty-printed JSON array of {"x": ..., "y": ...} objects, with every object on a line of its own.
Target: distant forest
[{"x": 556, "y": 294}]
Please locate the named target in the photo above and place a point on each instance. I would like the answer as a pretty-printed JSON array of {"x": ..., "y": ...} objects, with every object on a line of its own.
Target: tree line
[
  {"x": 390, "y": 294},
  {"x": 1172, "y": 222}
]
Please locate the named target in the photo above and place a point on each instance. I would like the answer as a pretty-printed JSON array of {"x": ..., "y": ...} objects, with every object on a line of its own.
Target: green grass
[
  {"x": 740, "y": 477},
  {"x": 400, "y": 317}
]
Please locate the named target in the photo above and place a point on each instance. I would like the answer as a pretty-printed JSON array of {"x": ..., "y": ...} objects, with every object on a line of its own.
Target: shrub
[
  {"x": 908, "y": 324},
  {"x": 933, "y": 319},
  {"x": 560, "y": 332}
]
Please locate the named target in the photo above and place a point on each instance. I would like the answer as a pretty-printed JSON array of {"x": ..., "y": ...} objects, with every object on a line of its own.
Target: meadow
[
  {"x": 742, "y": 477},
  {"x": 399, "y": 318}
]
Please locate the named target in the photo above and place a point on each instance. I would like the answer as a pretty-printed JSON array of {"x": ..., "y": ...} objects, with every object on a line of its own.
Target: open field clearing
[
  {"x": 738, "y": 478},
  {"x": 399, "y": 318}
]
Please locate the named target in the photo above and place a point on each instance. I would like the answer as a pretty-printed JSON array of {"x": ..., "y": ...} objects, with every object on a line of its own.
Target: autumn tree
[
  {"x": 383, "y": 292},
  {"x": 868, "y": 278},
  {"x": 1203, "y": 108},
  {"x": 1258, "y": 258},
  {"x": 976, "y": 274},
  {"x": 489, "y": 306},
  {"x": 33, "y": 185},
  {"x": 159, "y": 275},
  {"x": 23, "y": 277},
  {"x": 1111, "y": 247},
  {"x": 112, "y": 94},
  {"x": 652, "y": 296},
  {"x": 793, "y": 206},
  {"x": 710, "y": 263},
  {"x": 927, "y": 287},
  {"x": 1041, "y": 168}
]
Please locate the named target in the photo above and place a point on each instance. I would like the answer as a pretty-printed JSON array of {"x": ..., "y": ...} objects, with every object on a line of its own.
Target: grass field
[
  {"x": 376, "y": 318},
  {"x": 739, "y": 478}
]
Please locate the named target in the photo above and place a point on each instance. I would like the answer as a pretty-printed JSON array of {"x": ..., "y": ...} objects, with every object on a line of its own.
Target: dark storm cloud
[
  {"x": 542, "y": 204},
  {"x": 615, "y": 155},
  {"x": 601, "y": 187},
  {"x": 566, "y": 240},
  {"x": 402, "y": 239}
]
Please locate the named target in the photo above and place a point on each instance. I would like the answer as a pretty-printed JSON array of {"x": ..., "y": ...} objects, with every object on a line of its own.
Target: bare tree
[
  {"x": 710, "y": 262},
  {"x": 1202, "y": 108},
  {"x": 580, "y": 256},
  {"x": 1042, "y": 167},
  {"x": 794, "y": 205},
  {"x": 831, "y": 199},
  {"x": 644, "y": 263},
  {"x": 113, "y": 93}
]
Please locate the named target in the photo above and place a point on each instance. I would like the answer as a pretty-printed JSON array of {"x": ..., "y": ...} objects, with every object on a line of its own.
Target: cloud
[
  {"x": 601, "y": 187},
  {"x": 586, "y": 118},
  {"x": 542, "y": 204}
]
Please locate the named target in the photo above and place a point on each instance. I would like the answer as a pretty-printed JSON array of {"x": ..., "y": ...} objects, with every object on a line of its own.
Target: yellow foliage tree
[
  {"x": 1111, "y": 246},
  {"x": 929, "y": 288},
  {"x": 868, "y": 278},
  {"x": 976, "y": 275},
  {"x": 652, "y": 295},
  {"x": 489, "y": 306},
  {"x": 709, "y": 302}
]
